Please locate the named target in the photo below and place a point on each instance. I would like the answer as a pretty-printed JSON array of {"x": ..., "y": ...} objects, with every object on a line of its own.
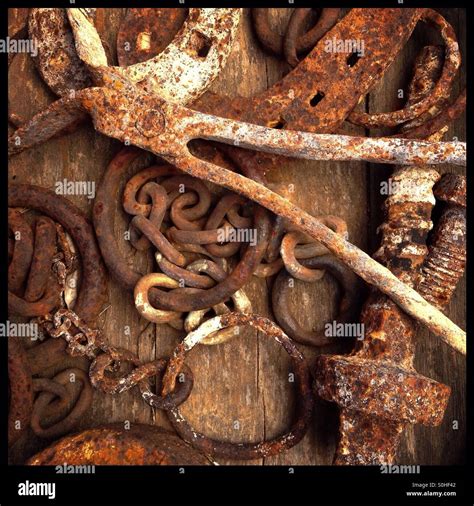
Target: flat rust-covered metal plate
[
  {"x": 114, "y": 445},
  {"x": 144, "y": 33}
]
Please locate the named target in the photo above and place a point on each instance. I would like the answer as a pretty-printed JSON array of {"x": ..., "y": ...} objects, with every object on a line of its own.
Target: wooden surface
[{"x": 241, "y": 391}]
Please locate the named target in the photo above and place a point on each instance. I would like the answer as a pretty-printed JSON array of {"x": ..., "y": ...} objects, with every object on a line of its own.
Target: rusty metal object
[
  {"x": 438, "y": 93},
  {"x": 446, "y": 260},
  {"x": 188, "y": 65},
  {"x": 290, "y": 103},
  {"x": 240, "y": 301},
  {"x": 140, "y": 375},
  {"x": 20, "y": 390},
  {"x": 293, "y": 41},
  {"x": 99, "y": 100},
  {"x": 169, "y": 145},
  {"x": 47, "y": 394},
  {"x": 296, "y": 42},
  {"x": 201, "y": 47},
  {"x": 115, "y": 445},
  {"x": 92, "y": 293},
  {"x": 242, "y": 451},
  {"x": 371, "y": 423},
  {"x": 118, "y": 267},
  {"x": 348, "y": 303},
  {"x": 51, "y": 354},
  {"x": 57, "y": 60},
  {"x": 297, "y": 103},
  {"x": 144, "y": 33},
  {"x": 142, "y": 302}
]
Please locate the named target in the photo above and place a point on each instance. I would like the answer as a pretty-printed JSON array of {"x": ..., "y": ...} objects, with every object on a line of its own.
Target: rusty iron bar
[
  {"x": 114, "y": 445},
  {"x": 242, "y": 451}
]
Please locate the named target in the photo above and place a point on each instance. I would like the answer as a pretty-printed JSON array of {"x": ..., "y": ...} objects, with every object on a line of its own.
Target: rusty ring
[
  {"x": 142, "y": 302},
  {"x": 347, "y": 305},
  {"x": 276, "y": 43},
  {"x": 295, "y": 42},
  {"x": 81, "y": 406},
  {"x": 93, "y": 290},
  {"x": 242, "y": 451},
  {"x": 439, "y": 93}
]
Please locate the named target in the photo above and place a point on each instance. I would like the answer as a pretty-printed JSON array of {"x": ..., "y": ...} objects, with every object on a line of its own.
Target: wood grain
[{"x": 241, "y": 391}]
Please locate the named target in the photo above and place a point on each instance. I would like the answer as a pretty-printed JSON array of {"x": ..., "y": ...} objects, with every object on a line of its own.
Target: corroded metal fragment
[
  {"x": 115, "y": 445},
  {"x": 57, "y": 60},
  {"x": 144, "y": 33}
]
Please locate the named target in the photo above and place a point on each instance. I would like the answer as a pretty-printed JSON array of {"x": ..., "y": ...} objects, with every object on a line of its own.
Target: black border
[{"x": 229, "y": 484}]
